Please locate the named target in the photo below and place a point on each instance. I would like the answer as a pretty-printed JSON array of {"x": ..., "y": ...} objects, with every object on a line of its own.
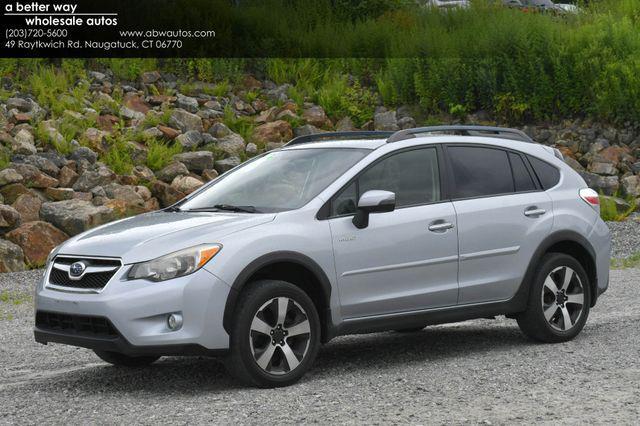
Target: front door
[{"x": 405, "y": 260}]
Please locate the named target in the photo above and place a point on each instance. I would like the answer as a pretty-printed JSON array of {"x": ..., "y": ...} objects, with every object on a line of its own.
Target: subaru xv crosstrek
[{"x": 337, "y": 234}]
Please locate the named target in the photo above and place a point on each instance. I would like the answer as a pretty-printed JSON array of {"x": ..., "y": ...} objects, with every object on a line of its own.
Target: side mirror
[{"x": 373, "y": 202}]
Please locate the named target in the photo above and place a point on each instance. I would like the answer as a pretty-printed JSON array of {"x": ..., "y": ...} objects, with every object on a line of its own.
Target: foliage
[
  {"x": 241, "y": 125},
  {"x": 609, "y": 211},
  {"x": 632, "y": 261},
  {"x": 57, "y": 89},
  {"x": 118, "y": 154},
  {"x": 5, "y": 157},
  {"x": 160, "y": 154}
]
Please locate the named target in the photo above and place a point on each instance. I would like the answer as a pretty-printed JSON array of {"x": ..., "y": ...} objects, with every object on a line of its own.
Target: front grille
[
  {"x": 81, "y": 325},
  {"x": 91, "y": 280}
]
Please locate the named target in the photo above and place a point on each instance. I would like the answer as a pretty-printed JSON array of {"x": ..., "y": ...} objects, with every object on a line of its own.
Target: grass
[
  {"x": 632, "y": 261},
  {"x": 14, "y": 298},
  {"x": 609, "y": 210},
  {"x": 5, "y": 158},
  {"x": 160, "y": 154},
  {"x": 57, "y": 89},
  {"x": 241, "y": 125}
]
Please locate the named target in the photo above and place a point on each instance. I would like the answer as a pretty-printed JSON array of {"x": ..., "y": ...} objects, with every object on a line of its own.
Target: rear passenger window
[
  {"x": 480, "y": 172},
  {"x": 549, "y": 176},
  {"x": 521, "y": 176}
]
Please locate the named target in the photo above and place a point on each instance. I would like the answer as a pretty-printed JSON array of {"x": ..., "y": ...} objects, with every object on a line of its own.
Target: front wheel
[
  {"x": 559, "y": 300},
  {"x": 275, "y": 335}
]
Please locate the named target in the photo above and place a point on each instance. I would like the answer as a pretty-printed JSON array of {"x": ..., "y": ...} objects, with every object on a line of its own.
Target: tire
[
  {"x": 554, "y": 313},
  {"x": 410, "y": 330},
  {"x": 262, "y": 353},
  {"x": 122, "y": 360}
]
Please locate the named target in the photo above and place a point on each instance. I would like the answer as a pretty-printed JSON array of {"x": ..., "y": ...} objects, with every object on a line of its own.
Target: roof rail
[
  {"x": 498, "y": 132},
  {"x": 317, "y": 137}
]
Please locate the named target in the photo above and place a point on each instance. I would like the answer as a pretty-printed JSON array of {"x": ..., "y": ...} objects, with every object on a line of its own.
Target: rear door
[
  {"x": 405, "y": 260},
  {"x": 503, "y": 215}
]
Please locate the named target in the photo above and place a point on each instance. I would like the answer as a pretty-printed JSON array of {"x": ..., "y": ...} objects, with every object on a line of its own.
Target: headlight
[{"x": 178, "y": 264}]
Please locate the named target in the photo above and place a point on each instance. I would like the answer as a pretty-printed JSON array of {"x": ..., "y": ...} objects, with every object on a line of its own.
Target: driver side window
[{"x": 412, "y": 175}]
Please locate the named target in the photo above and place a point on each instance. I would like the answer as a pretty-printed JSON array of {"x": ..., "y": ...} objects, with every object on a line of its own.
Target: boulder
[
  {"x": 190, "y": 140},
  {"x": 267, "y": 115},
  {"x": 98, "y": 175},
  {"x": 386, "y": 121},
  {"x": 11, "y": 257},
  {"x": 20, "y": 104},
  {"x": 37, "y": 239},
  {"x": 135, "y": 103},
  {"x": 106, "y": 122},
  {"x": 143, "y": 173},
  {"x": 23, "y": 143},
  {"x": 133, "y": 200},
  {"x": 197, "y": 161},
  {"x": 84, "y": 153},
  {"x": 219, "y": 130},
  {"x": 171, "y": 171},
  {"x": 609, "y": 185},
  {"x": 209, "y": 175},
  {"x": 315, "y": 115},
  {"x": 96, "y": 139},
  {"x": 75, "y": 216},
  {"x": 11, "y": 192},
  {"x": 150, "y": 77},
  {"x": 306, "y": 130},
  {"x": 43, "y": 164},
  {"x": 277, "y": 131},
  {"x": 631, "y": 185},
  {"x": 67, "y": 177},
  {"x": 232, "y": 144},
  {"x": 345, "y": 125},
  {"x": 59, "y": 194},
  {"x": 185, "y": 121},
  {"x": 187, "y": 103},
  {"x": 138, "y": 151},
  {"x": 129, "y": 114},
  {"x": 9, "y": 176},
  {"x": 186, "y": 184},
  {"x": 153, "y": 133},
  {"x": 28, "y": 205},
  {"x": 600, "y": 168},
  {"x": 169, "y": 132},
  {"x": 227, "y": 164},
  {"x": 9, "y": 218},
  {"x": 34, "y": 178},
  {"x": 143, "y": 192},
  {"x": 165, "y": 193},
  {"x": 406, "y": 123},
  {"x": 251, "y": 148},
  {"x": 53, "y": 156}
]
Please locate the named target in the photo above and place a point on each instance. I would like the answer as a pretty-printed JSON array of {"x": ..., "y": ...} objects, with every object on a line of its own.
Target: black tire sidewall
[{"x": 259, "y": 293}]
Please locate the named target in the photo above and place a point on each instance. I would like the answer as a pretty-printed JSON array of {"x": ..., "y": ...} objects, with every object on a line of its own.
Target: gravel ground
[
  {"x": 481, "y": 371},
  {"x": 626, "y": 238}
]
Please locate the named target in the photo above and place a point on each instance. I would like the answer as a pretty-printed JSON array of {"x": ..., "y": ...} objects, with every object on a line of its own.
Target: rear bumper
[{"x": 600, "y": 239}]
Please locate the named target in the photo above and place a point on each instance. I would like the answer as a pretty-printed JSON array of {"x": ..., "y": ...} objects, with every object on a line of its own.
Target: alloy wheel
[
  {"x": 279, "y": 336},
  {"x": 562, "y": 298}
]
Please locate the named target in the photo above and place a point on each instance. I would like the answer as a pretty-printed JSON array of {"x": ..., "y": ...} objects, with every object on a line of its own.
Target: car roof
[{"x": 342, "y": 143}]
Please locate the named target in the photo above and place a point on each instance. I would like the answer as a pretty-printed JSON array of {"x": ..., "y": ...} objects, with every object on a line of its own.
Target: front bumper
[{"x": 138, "y": 312}]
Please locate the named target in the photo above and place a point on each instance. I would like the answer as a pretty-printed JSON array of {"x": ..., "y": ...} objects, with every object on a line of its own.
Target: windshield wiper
[{"x": 224, "y": 207}]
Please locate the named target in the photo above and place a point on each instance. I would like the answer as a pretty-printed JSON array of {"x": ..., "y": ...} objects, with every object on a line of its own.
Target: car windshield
[{"x": 276, "y": 181}]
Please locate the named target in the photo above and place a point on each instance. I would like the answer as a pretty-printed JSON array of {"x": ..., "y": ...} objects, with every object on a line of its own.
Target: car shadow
[{"x": 359, "y": 353}]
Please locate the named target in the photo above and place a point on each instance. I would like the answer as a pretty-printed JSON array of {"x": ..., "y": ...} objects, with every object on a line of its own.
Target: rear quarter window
[{"x": 548, "y": 175}]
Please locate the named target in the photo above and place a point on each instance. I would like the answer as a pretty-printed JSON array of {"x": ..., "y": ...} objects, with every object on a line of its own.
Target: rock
[
  {"x": 59, "y": 194},
  {"x": 84, "y": 153},
  {"x": 84, "y": 196},
  {"x": 186, "y": 184},
  {"x": 267, "y": 115},
  {"x": 306, "y": 130},
  {"x": 190, "y": 140},
  {"x": 185, "y": 121},
  {"x": 129, "y": 114},
  {"x": 406, "y": 123},
  {"x": 143, "y": 192},
  {"x": 118, "y": 207},
  {"x": 153, "y": 133},
  {"x": 96, "y": 76},
  {"x": 227, "y": 164},
  {"x": 133, "y": 200},
  {"x": 106, "y": 122},
  {"x": 345, "y": 125},
  {"x": 219, "y": 130},
  {"x": 197, "y": 161},
  {"x": 11, "y": 192},
  {"x": 5, "y": 138},
  {"x": 277, "y": 131},
  {"x": 53, "y": 156},
  {"x": 135, "y": 103},
  {"x": 386, "y": 121},
  {"x": 150, "y": 77},
  {"x": 37, "y": 239},
  {"x": 171, "y": 171},
  {"x": 152, "y": 204},
  {"x": 573, "y": 163},
  {"x": 209, "y": 175},
  {"x": 168, "y": 132},
  {"x": 635, "y": 168},
  {"x": 603, "y": 168},
  {"x": 609, "y": 185},
  {"x": 34, "y": 178},
  {"x": 143, "y": 173},
  {"x": 20, "y": 104},
  {"x": 23, "y": 143},
  {"x": 274, "y": 145},
  {"x": 67, "y": 177},
  {"x": 138, "y": 152},
  {"x": 166, "y": 194},
  {"x": 161, "y": 99},
  {"x": 9, "y": 176},
  {"x": 96, "y": 139},
  {"x": 11, "y": 257},
  {"x": 19, "y": 117},
  {"x": 621, "y": 205},
  {"x": 315, "y": 115},
  {"x": 28, "y": 205},
  {"x": 9, "y": 218},
  {"x": 614, "y": 155},
  {"x": 96, "y": 176},
  {"x": 43, "y": 164},
  {"x": 75, "y": 216},
  {"x": 232, "y": 144},
  {"x": 631, "y": 185},
  {"x": 214, "y": 105},
  {"x": 187, "y": 103},
  {"x": 251, "y": 149}
]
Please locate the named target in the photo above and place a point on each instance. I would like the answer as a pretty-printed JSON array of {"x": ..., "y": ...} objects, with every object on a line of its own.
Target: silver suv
[{"x": 336, "y": 234}]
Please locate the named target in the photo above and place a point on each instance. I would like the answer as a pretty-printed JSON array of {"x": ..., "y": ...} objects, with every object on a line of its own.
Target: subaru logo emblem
[{"x": 77, "y": 269}]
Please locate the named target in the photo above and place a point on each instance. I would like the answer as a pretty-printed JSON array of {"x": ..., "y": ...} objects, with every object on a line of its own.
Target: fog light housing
[{"x": 174, "y": 322}]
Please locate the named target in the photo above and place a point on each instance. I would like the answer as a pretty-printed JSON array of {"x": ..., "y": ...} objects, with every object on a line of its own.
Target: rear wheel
[
  {"x": 275, "y": 335},
  {"x": 559, "y": 300},
  {"x": 122, "y": 360}
]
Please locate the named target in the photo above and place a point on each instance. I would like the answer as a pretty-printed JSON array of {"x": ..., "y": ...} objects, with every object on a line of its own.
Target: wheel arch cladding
[
  {"x": 571, "y": 244},
  {"x": 293, "y": 267}
]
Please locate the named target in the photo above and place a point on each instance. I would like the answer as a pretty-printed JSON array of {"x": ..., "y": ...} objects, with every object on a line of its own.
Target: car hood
[{"x": 151, "y": 235}]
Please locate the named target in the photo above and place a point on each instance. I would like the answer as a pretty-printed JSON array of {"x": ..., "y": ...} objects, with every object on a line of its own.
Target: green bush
[{"x": 160, "y": 154}]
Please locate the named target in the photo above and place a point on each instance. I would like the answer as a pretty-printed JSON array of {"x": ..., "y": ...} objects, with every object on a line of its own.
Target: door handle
[
  {"x": 440, "y": 226},
  {"x": 534, "y": 212}
]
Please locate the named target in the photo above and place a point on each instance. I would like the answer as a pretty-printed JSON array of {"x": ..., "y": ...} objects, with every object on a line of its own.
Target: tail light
[{"x": 590, "y": 197}]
